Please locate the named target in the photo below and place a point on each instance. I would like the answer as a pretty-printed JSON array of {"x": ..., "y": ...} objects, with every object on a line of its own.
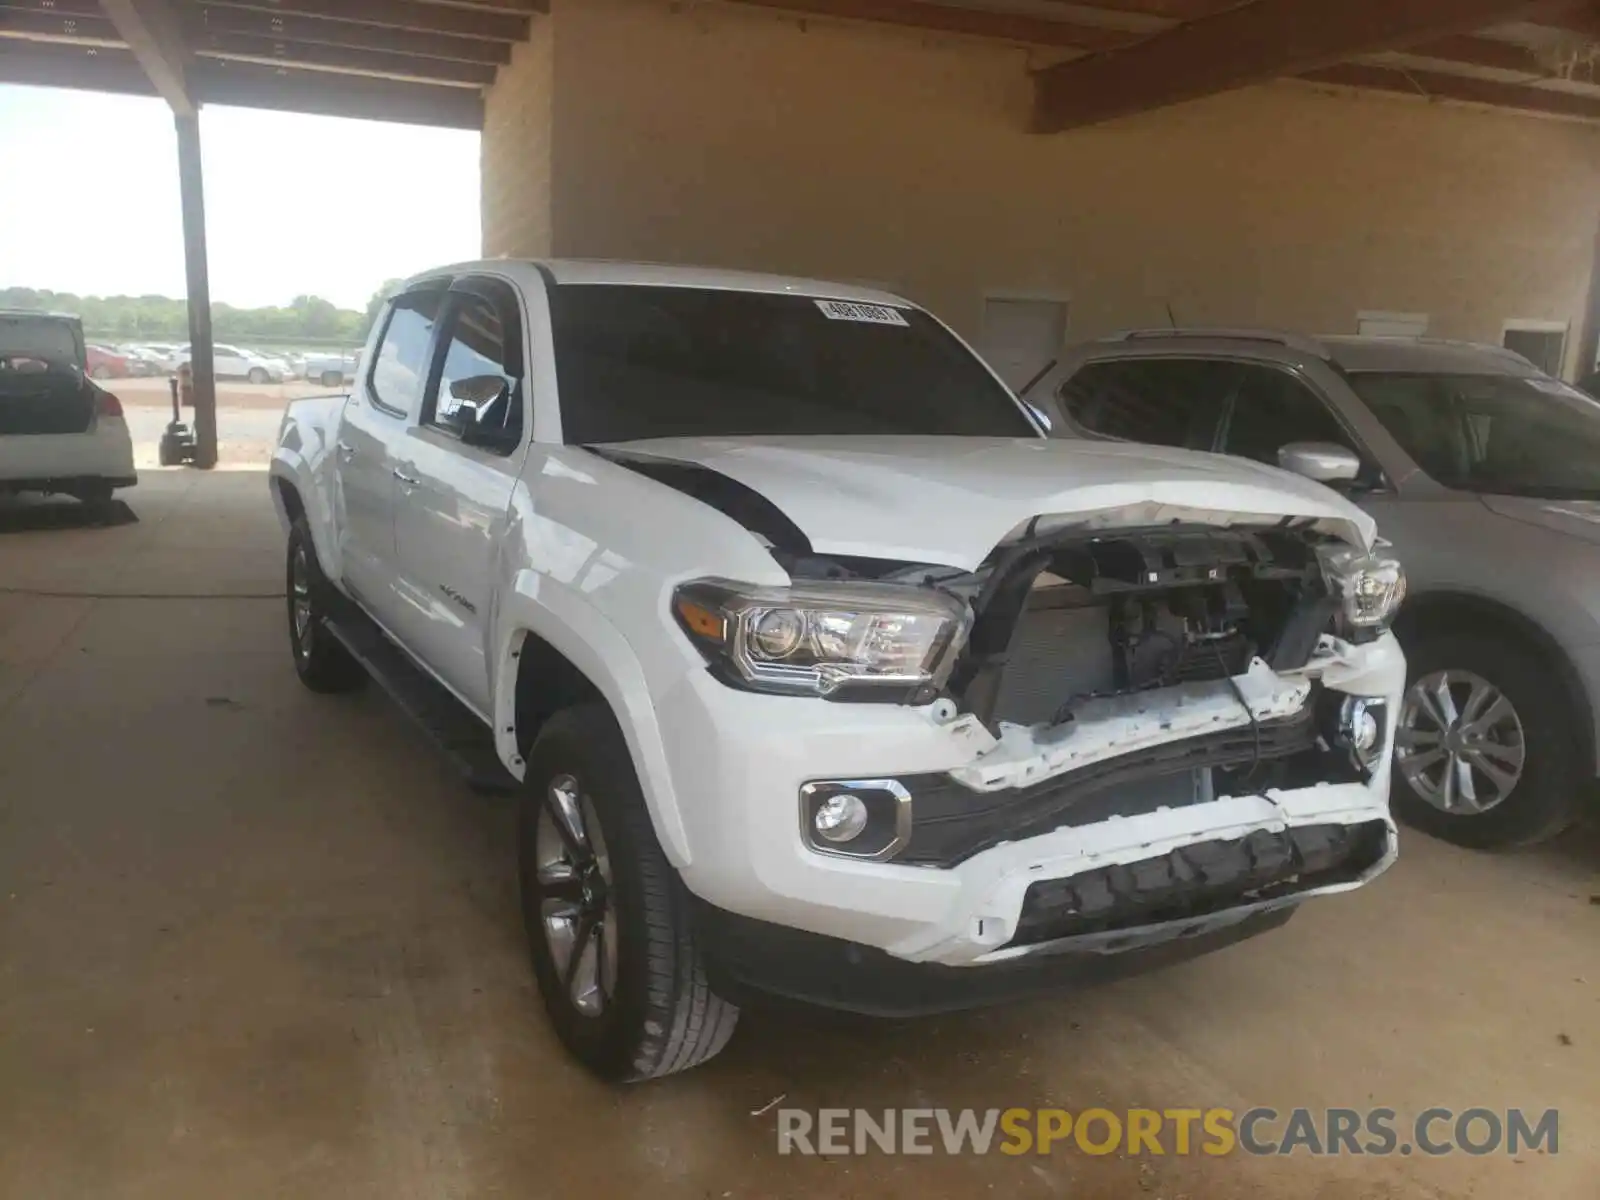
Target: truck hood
[{"x": 951, "y": 500}]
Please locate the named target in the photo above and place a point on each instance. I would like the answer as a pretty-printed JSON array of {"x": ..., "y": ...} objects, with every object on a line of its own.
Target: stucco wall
[{"x": 736, "y": 137}]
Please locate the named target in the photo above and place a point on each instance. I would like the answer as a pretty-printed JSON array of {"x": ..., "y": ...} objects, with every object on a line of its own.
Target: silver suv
[{"x": 1483, "y": 472}]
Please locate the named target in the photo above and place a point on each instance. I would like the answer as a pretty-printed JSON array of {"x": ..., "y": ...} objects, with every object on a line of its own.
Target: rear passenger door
[{"x": 458, "y": 466}]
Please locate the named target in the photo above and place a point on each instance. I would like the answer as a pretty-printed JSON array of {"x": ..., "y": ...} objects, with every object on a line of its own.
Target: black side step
[{"x": 464, "y": 738}]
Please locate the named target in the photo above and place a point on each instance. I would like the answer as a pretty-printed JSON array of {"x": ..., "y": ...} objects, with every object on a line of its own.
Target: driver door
[{"x": 457, "y": 468}]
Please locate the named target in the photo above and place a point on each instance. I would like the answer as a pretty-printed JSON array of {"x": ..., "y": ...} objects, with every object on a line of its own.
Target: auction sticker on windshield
[{"x": 850, "y": 310}]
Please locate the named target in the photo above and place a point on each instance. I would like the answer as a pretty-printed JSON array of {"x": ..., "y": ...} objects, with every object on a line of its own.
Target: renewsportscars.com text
[{"x": 1162, "y": 1131}]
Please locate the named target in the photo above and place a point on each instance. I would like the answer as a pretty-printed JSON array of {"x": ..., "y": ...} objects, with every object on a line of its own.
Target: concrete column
[{"x": 201, "y": 360}]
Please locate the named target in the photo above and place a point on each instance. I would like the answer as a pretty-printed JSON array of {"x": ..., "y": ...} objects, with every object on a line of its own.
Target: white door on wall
[
  {"x": 1391, "y": 324},
  {"x": 1020, "y": 336}
]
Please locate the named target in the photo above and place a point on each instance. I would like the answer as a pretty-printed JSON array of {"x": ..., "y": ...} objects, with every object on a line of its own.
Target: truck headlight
[
  {"x": 844, "y": 641},
  {"x": 1370, "y": 587}
]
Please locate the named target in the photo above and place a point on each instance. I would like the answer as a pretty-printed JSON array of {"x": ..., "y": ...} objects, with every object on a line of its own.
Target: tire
[
  {"x": 1548, "y": 795},
  {"x": 259, "y": 375},
  {"x": 96, "y": 499},
  {"x": 332, "y": 378},
  {"x": 100, "y": 372},
  {"x": 658, "y": 1015},
  {"x": 322, "y": 663}
]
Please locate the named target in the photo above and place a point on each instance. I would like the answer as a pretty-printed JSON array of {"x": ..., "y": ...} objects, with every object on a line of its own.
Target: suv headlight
[
  {"x": 1370, "y": 587},
  {"x": 868, "y": 641}
]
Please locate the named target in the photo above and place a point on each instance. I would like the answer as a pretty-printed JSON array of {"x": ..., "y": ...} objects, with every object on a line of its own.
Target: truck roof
[{"x": 590, "y": 271}]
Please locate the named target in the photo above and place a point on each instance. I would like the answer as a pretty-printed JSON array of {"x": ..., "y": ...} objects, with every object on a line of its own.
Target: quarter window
[{"x": 401, "y": 367}]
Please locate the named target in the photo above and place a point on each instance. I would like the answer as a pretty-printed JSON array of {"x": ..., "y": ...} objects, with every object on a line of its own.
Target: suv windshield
[
  {"x": 639, "y": 362},
  {"x": 1521, "y": 436}
]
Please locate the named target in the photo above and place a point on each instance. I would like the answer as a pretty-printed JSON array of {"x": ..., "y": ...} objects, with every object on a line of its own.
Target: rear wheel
[
  {"x": 321, "y": 661},
  {"x": 1486, "y": 750},
  {"x": 96, "y": 497},
  {"x": 101, "y": 372},
  {"x": 332, "y": 379},
  {"x": 259, "y": 375},
  {"x": 607, "y": 918}
]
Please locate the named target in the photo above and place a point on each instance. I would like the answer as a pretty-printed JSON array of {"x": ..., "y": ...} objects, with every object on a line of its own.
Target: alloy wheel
[
  {"x": 1460, "y": 743},
  {"x": 576, "y": 907},
  {"x": 300, "y": 605}
]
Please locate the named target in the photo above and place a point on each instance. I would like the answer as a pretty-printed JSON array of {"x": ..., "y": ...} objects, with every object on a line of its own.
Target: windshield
[
  {"x": 1527, "y": 436},
  {"x": 654, "y": 362}
]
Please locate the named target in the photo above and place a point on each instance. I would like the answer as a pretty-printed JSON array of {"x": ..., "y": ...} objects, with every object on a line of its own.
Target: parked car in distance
[
  {"x": 60, "y": 431},
  {"x": 818, "y": 668},
  {"x": 144, "y": 361},
  {"x": 330, "y": 370},
  {"x": 231, "y": 362},
  {"x": 1485, "y": 475},
  {"x": 104, "y": 363}
]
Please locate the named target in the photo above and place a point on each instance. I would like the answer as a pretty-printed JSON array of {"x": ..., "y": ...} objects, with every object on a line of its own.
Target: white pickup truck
[{"x": 818, "y": 670}]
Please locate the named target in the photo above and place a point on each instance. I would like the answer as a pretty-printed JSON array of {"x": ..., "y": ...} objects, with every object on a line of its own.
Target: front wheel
[
  {"x": 607, "y": 919},
  {"x": 259, "y": 375},
  {"x": 332, "y": 378},
  {"x": 1486, "y": 750},
  {"x": 320, "y": 659}
]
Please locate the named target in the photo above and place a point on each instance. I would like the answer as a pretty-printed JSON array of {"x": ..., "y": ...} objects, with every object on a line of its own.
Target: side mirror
[{"x": 1325, "y": 462}]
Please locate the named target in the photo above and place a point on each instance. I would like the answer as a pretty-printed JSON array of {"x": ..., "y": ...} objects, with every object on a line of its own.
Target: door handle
[
  {"x": 408, "y": 480},
  {"x": 346, "y": 451}
]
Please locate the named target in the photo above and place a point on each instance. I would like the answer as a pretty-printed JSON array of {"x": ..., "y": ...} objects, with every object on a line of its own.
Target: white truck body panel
[{"x": 461, "y": 555}]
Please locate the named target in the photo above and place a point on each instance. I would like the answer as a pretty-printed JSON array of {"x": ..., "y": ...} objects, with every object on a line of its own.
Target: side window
[
  {"x": 400, "y": 368},
  {"x": 477, "y": 386},
  {"x": 1168, "y": 401},
  {"x": 1273, "y": 408}
]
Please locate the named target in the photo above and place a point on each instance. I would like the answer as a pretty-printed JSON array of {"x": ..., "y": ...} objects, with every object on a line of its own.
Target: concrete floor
[{"x": 255, "y": 942}]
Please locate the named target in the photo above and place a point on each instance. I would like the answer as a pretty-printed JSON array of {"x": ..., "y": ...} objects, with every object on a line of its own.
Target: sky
[{"x": 294, "y": 203}]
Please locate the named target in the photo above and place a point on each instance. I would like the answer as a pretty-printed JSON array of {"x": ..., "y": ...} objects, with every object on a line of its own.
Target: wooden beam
[
  {"x": 257, "y": 85},
  {"x": 246, "y": 47},
  {"x": 213, "y": 20},
  {"x": 943, "y": 18},
  {"x": 82, "y": 68},
  {"x": 1248, "y": 45},
  {"x": 524, "y": 7},
  {"x": 396, "y": 14},
  {"x": 1172, "y": 10},
  {"x": 1437, "y": 85},
  {"x": 1481, "y": 52},
  {"x": 44, "y": 25},
  {"x": 152, "y": 31}
]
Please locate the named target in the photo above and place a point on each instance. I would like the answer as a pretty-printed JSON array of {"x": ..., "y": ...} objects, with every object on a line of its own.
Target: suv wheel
[
  {"x": 332, "y": 379},
  {"x": 321, "y": 661},
  {"x": 607, "y": 919},
  {"x": 259, "y": 375},
  {"x": 1485, "y": 749}
]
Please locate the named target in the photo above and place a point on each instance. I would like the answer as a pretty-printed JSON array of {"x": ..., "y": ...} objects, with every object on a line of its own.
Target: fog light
[
  {"x": 1361, "y": 728},
  {"x": 840, "y": 818}
]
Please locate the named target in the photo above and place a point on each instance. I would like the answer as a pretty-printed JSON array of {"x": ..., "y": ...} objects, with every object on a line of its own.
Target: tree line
[{"x": 162, "y": 318}]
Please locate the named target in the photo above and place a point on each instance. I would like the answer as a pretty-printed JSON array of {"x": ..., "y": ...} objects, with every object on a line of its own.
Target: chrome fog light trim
[{"x": 886, "y": 829}]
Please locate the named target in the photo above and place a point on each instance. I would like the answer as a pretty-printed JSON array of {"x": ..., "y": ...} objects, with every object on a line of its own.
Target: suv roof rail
[{"x": 1295, "y": 341}]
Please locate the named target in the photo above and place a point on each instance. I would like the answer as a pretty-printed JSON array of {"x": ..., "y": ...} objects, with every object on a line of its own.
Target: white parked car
[
  {"x": 60, "y": 431},
  {"x": 819, "y": 670},
  {"x": 232, "y": 362}
]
